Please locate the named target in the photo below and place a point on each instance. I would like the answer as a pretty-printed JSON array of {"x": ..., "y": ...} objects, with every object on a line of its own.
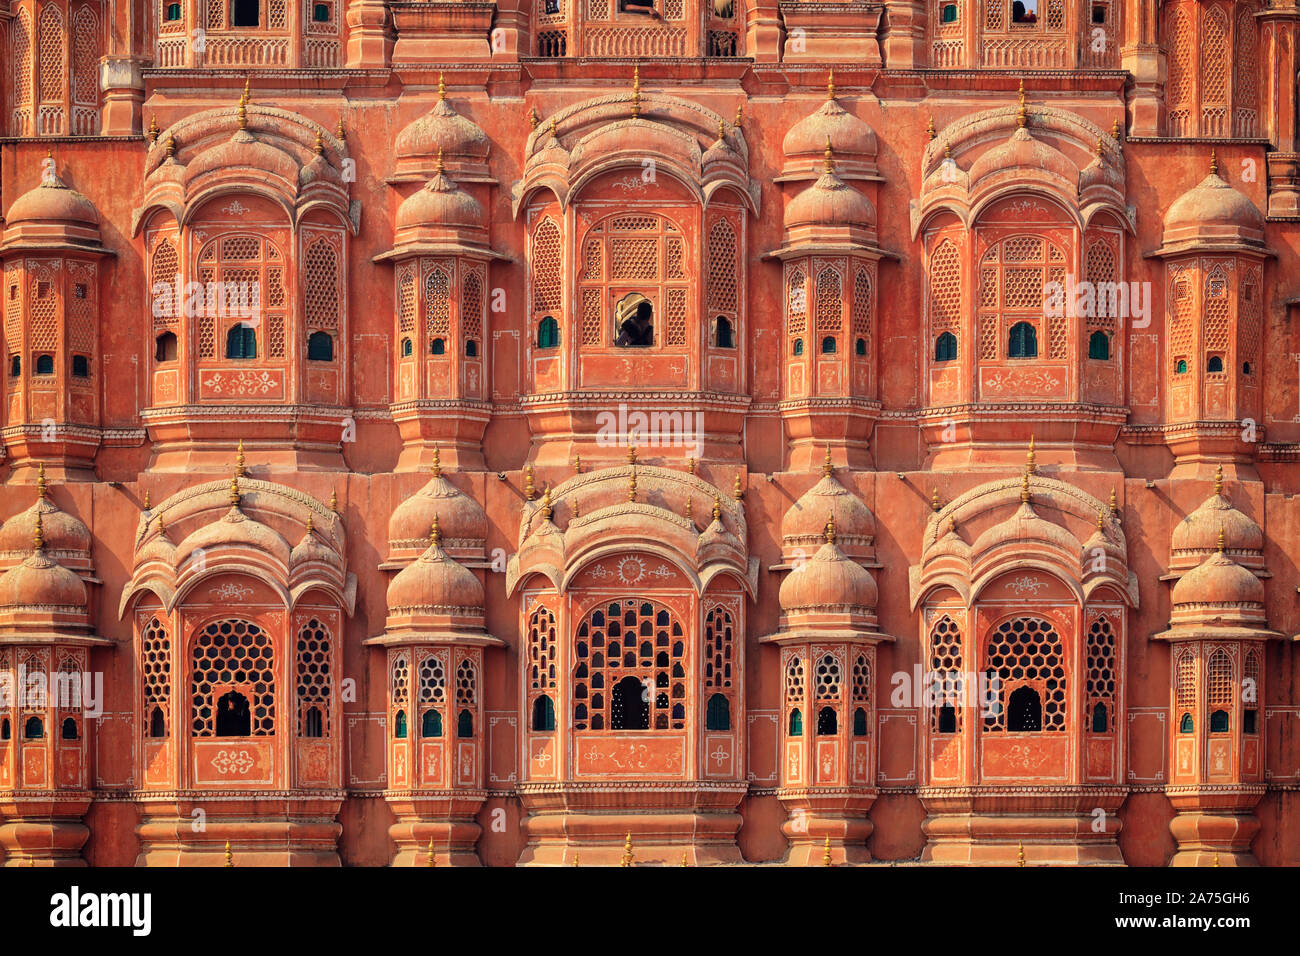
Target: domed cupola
[
  {"x": 235, "y": 530},
  {"x": 829, "y": 581},
  {"x": 830, "y": 211},
  {"x": 804, "y": 524},
  {"x": 67, "y": 540},
  {"x": 441, "y": 216},
  {"x": 1023, "y": 151},
  {"x": 853, "y": 141},
  {"x": 1218, "y": 592},
  {"x": 312, "y": 550},
  {"x": 1196, "y": 537},
  {"x": 1213, "y": 215},
  {"x": 40, "y": 600},
  {"x": 442, "y": 129},
  {"x": 52, "y": 216},
  {"x": 461, "y": 518}
]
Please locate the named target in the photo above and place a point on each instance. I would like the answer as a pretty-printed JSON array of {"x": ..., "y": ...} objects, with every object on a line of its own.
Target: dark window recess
[
  {"x": 79, "y": 290},
  {"x": 828, "y": 345},
  {"x": 798, "y": 347},
  {"x": 244, "y": 13},
  {"x": 16, "y": 365},
  {"x": 34, "y": 729},
  {"x": 859, "y": 722},
  {"x": 165, "y": 347},
  {"x": 173, "y": 11},
  {"x": 551, "y": 43},
  {"x": 543, "y": 713},
  {"x": 406, "y": 348},
  {"x": 233, "y": 717},
  {"x": 1186, "y": 725},
  {"x": 157, "y": 723},
  {"x": 241, "y": 342},
  {"x": 471, "y": 348},
  {"x": 1181, "y": 367},
  {"x": 1023, "y": 341},
  {"x": 860, "y": 347},
  {"x": 69, "y": 731},
  {"x": 438, "y": 347},
  {"x": 722, "y": 43},
  {"x": 1098, "y": 14},
  {"x": 45, "y": 364},
  {"x": 80, "y": 366},
  {"x": 1219, "y": 723},
  {"x": 465, "y": 724},
  {"x": 1099, "y": 346},
  {"x": 718, "y": 714},
  {"x": 722, "y": 337},
  {"x": 1099, "y": 721},
  {"x": 431, "y": 724},
  {"x": 1024, "y": 11},
  {"x": 312, "y": 725},
  {"x": 320, "y": 12},
  {"x": 1024, "y": 711},
  {"x": 945, "y": 348},
  {"x": 949, "y": 14},
  {"x": 796, "y": 723},
  {"x": 548, "y": 333},
  {"x": 399, "y": 725},
  {"x": 636, "y": 6},
  {"x": 320, "y": 347},
  {"x": 947, "y": 719},
  {"x": 1248, "y": 719},
  {"x": 828, "y": 722},
  {"x": 1215, "y": 364}
]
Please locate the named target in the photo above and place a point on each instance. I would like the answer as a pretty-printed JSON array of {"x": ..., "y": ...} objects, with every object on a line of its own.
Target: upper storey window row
[
  {"x": 637, "y": 28},
  {"x": 249, "y": 33},
  {"x": 1025, "y": 34},
  {"x": 52, "y": 62}
]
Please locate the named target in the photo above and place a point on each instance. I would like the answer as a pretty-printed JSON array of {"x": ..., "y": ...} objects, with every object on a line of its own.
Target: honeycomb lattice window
[
  {"x": 546, "y": 263},
  {"x": 433, "y": 680},
  {"x": 1245, "y": 75},
  {"x": 1218, "y": 679},
  {"x": 830, "y": 301},
  {"x": 945, "y": 288},
  {"x": 1185, "y": 681},
  {"x": 794, "y": 685},
  {"x": 466, "y": 684},
  {"x": 239, "y": 653},
  {"x": 13, "y": 307},
  {"x": 721, "y": 267},
  {"x": 862, "y": 303},
  {"x": 315, "y": 674},
  {"x": 1180, "y": 334},
  {"x": 1250, "y": 679},
  {"x": 1178, "y": 89},
  {"x": 471, "y": 306},
  {"x": 1023, "y": 266},
  {"x": 275, "y": 14},
  {"x": 50, "y": 55},
  {"x": 719, "y": 640},
  {"x": 44, "y": 316},
  {"x": 22, "y": 60},
  {"x": 250, "y": 270},
  {"x": 861, "y": 679},
  {"x": 33, "y": 684},
  {"x": 1027, "y": 651},
  {"x": 321, "y": 285},
  {"x": 68, "y": 685},
  {"x": 1214, "y": 58},
  {"x": 591, "y": 317},
  {"x": 675, "y": 317},
  {"x": 618, "y": 647},
  {"x": 592, "y": 257},
  {"x": 437, "y": 302},
  {"x": 165, "y": 267},
  {"x": 1100, "y": 268},
  {"x": 1101, "y": 670},
  {"x": 796, "y": 301},
  {"x": 946, "y": 674},
  {"x": 541, "y": 650},
  {"x": 400, "y": 682},
  {"x": 828, "y": 677},
  {"x": 675, "y": 259},
  {"x": 406, "y": 300},
  {"x": 85, "y": 60},
  {"x": 1216, "y": 310},
  {"x": 156, "y": 670},
  {"x": 1250, "y": 317}
]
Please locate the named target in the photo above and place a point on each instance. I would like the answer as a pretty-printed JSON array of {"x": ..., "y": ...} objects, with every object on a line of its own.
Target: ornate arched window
[
  {"x": 946, "y": 677},
  {"x": 1219, "y": 691},
  {"x": 233, "y": 680},
  {"x": 315, "y": 678},
  {"x": 243, "y": 286},
  {"x": 432, "y": 693},
  {"x": 399, "y": 693},
  {"x": 1026, "y": 653},
  {"x": 623, "y": 643},
  {"x": 1213, "y": 62},
  {"x": 155, "y": 668},
  {"x": 1101, "y": 663},
  {"x": 1185, "y": 690}
]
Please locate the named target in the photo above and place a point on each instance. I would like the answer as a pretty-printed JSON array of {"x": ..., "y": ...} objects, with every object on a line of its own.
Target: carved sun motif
[{"x": 631, "y": 570}]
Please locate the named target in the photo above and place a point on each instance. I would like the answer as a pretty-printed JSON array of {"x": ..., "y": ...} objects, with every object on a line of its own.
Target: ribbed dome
[
  {"x": 719, "y": 150},
  {"x": 459, "y": 516},
  {"x": 830, "y": 202},
  {"x": 52, "y": 201},
  {"x": 1218, "y": 580},
  {"x": 157, "y": 548},
  {"x": 1024, "y": 527},
  {"x": 1210, "y": 207},
  {"x": 828, "y": 579},
  {"x": 235, "y": 529},
  {"x": 243, "y": 150},
  {"x": 1199, "y": 531},
  {"x": 434, "y": 580},
  {"x": 850, "y": 137},
  {"x": 440, "y": 202},
  {"x": 1023, "y": 152},
  {"x": 442, "y": 128},
  {"x": 63, "y": 533},
  {"x": 41, "y": 583},
  {"x": 313, "y": 548},
  {"x": 805, "y": 522}
]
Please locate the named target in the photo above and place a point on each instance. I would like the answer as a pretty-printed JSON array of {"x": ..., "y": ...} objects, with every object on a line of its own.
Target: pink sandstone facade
[{"x": 513, "y": 429}]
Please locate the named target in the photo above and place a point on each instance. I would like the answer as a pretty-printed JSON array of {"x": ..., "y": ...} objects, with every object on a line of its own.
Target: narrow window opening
[
  {"x": 399, "y": 725},
  {"x": 45, "y": 364},
  {"x": 828, "y": 345},
  {"x": 796, "y": 723},
  {"x": 244, "y": 13},
  {"x": 634, "y": 318},
  {"x": 69, "y": 731},
  {"x": 465, "y": 724},
  {"x": 157, "y": 723},
  {"x": 1024, "y": 711},
  {"x": 543, "y": 714},
  {"x": 1023, "y": 341},
  {"x": 718, "y": 715},
  {"x": 80, "y": 366},
  {"x": 945, "y": 348},
  {"x": 722, "y": 334},
  {"x": 241, "y": 342},
  {"x": 431, "y": 724},
  {"x": 233, "y": 716},
  {"x": 312, "y": 724},
  {"x": 798, "y": 348},
  {"x": 1219, "y": 723},
  {"x": 548, "y": 333},
  {"x": 1186, "y": 725},
  {"x": 320, "y": 347},
  {"x": 438, "y": 347},
  {"x": 1099, "y": 346},
  {"x": 34, "y": 729},
  {"x": 165, "y": 347},
  {"x": 828, "y": 722},
  {"x": 860, "y": 722}
]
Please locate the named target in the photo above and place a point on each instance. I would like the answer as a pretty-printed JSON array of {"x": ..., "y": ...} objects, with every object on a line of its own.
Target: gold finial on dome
[
  {"x": 162, "y": 528},
  {"x": 690, "y": 466},
  {"x": 171, "y": 145},
  {"x": 1101, "y": 519},
  {"x": 636, "y": 90},
  {"x": 532, "y": 118},
  {"x": 830, "y": 84},
  {"x": 631, "y": 448},
  {"x": 230, "y": 859},
  {"x": 947, "y": 151},
  {"x": 554, "y": 134},
  {"x": 684, "y": 863},
  {"x": 547, "y": 510},
  {"x": 631, "y": 485},
  {"x": 309, "y": 524},
  {"x": 736, "y": 491},
  {"x": 1024, "y": 488},
  {"x": 577, "y": 463},
  {"x": 740, "y": 115},
  {"x": 440, "y": 167},
  {"x": 1214, "y": 162},
  {"x": 234, "y": 491},
  {"x": 827, "y": 466},
  {"x": 717, "y": 507},
  {"x": 435, "y": 533},
  {"x": 1218, "y": 480},
  {"x": 319, "y": 146},
  {"x": 145, "y": 504},
  {"x": 1114, "y": 130},
  {"x": 577, "y": 506},
  {"x": 40, "y": 481},
  {"x": 243, "y": 107},
  {"x": 334, "y": 501},
  {"x": 442, "y": 87},
  {"x": 952, "y": 524},
  {"x": 690, "y": 508},
  {"x": 930, "y": 129},
  {"x": 530, "y": 490},
  {"x": 1223, "y": 544},
  {"x": 339, "y": 131},
  {"x": 153, "y": 129},
  {"x": 826, "y": 852},
  {"x": 934, "y": 499},
  {"x": 1021, "y": 117},
  {"x": 1114, "y": 502},
  {"x": 1099, "y": 146},
  {"x": 830, "y": 156},
  {"x": 722, "y": 129},
  {"x": 432, "y": 858},
  {"x": 239, "y": 459},
  {"x": 627, "y": 852},
  {"x": 38, "y": 534},
  {"x": 437, "y": 462},
  {"x": 1031, "y": 464},
  {"x": 830, "y": 527}
]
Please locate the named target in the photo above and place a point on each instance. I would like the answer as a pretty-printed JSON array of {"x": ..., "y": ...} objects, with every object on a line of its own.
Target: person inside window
[{"x": 638, "y": 328}]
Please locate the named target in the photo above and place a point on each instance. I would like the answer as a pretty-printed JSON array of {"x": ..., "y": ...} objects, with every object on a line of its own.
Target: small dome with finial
[
  {"x": 852, "y": 140},
  {"x": 803, "y": 524},
  {"x": 1213, "y": 213},
  {"x": 1196, "y": 537},
  {"x": 434, "y": 581},
  {"x": 830, "y": 202},
  {"x": 51, "y": 214},
  {"x": 464, "y": 145},
  {"x": 462, "y": 520}
]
